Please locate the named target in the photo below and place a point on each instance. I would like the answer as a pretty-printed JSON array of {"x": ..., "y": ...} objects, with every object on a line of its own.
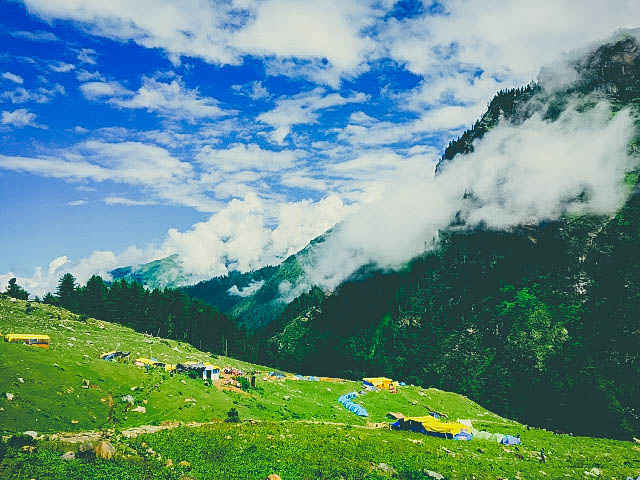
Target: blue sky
[{"x": 232, "y": 132}]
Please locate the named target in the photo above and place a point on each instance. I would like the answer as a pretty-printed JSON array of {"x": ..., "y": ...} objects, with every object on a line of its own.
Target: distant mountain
[
  {"x": 256, "y": 298},
  {"x": 166, "y": 272},
  {"x": 253, "y": 298}
]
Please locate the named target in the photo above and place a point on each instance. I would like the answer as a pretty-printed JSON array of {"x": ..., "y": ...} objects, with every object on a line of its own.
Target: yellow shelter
[
  {"x": 383, "y": 383},
  {"x": 33, "y": 339}
]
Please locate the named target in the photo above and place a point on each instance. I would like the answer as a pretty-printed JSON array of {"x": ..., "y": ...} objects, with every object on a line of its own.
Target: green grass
[
  {"x": 302, "y": 451},
  {"x": 300, "y": 431}
]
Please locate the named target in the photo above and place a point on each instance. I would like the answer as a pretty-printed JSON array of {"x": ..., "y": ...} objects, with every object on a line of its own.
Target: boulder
[
  {"x": 68, "y": 456},
  {"x": 432, "y": 474},
  {"x": 104, "y": 449}
]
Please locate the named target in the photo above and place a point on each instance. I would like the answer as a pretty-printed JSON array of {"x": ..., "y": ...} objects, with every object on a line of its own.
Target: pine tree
[
  {"x": 66, "y": 292},
  {"x": 16, "y": 291}
]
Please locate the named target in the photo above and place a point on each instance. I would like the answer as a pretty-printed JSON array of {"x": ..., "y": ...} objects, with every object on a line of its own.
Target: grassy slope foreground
[{"x": 298, "y": 430}]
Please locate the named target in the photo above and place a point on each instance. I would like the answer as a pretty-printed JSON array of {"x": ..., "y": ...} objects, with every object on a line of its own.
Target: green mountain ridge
[{"x": 539, "y": 321}]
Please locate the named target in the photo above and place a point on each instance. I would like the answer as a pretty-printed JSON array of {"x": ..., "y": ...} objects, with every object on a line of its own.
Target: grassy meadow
[{"x": 290, "y": 427}]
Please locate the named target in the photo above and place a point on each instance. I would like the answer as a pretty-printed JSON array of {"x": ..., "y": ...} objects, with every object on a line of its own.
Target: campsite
[
  {"x": 63, "y": 394},
  {"x": 334, "y": 240}
]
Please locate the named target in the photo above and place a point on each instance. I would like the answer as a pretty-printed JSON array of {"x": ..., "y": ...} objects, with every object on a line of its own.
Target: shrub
[
  {"x": 232, "y": 416},
  {"x": 19, "y": 441},
  {"x": 244, "y": 383}
]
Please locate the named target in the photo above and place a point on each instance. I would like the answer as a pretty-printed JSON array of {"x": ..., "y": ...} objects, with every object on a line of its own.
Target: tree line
[{"x": 167, "y": 313}]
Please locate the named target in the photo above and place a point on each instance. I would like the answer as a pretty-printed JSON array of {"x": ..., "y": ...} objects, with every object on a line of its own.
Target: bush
[
  {"x": 244, "y": 383},
  {"x": 19, "y": 441},
  {"x": 232, "y": 416}
]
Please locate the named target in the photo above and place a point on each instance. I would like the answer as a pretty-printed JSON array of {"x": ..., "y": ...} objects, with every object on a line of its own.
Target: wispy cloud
[
  {"x": 170, "y": 99},
  {"x": 301, "y": 109},
  {"x": 12, "y": 77},
  {"x": 127, "y": 202},
  {"x": 35, "y": 35}
]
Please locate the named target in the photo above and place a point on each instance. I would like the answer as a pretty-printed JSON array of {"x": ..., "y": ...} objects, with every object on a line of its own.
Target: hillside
[
  {"x": 538, "y": 320},
  {"x": 292, "y": 420}
]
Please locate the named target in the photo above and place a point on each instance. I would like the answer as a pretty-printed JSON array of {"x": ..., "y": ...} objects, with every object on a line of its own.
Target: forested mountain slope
[{"x": 540, "y": 321}]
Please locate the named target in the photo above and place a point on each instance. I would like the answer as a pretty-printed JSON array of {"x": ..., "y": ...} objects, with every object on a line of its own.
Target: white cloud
[
  {"x": 127, "y": 201},
  {"x": 246, "y": 234},
  {"x": 249, "y": 234},
  {"x": 509, "y": 40},
  {"x": 86, "y": 76},
  {"x": 520, "y": 174},
  {"x": 192, "y": 27},
  {"x": 102, "y": 89},
  {"x": 240, "y": 156},
  {"x": 331, "y": 31},
  {"x": 76, "y": 203},
  {"x": 247, "y": 291},
  {"x": 254, "y": 90},
  {"x": 87, "y": 55},
  {"x": 38, "y": 95},
  {"x": 35, "y": 35},
  {"x": 148, "y": 166},
  {"x": 171, "y": 99},
  {"x": 302, "y": 109},
  {"x": 13, "y": 77},
  {"x": 19, "y": 118},
  {"x": 62, "y": 67}
]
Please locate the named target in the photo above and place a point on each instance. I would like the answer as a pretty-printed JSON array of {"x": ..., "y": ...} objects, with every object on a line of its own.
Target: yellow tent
[
  {"x": 141, "y": 362},
  {"x": 432, "y": 424},
  {"x": 34, "y": 339},
  {"x": 379, "y": 382}
]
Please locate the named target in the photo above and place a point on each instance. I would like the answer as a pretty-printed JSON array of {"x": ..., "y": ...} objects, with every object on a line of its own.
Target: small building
[
  {"x": 33, "y": 339},
  {"x": 211, "y": 372}
]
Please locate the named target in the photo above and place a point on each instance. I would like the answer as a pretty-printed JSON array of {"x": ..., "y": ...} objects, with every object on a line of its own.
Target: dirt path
[{"x": 92, "y": 435}]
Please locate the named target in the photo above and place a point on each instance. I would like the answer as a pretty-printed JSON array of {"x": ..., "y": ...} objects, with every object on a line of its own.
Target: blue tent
[{"x": 346, "y": 401}]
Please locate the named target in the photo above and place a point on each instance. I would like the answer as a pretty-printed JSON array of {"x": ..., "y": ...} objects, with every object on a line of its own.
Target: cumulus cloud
[
  {"x": 251, "y": 233},
  {"x": 222, "y": 32},
  {"x": 246, "y": 234},
  {"x": 331, "y": 32},
  {"x": 517, "y": 175},
  {"x": 512, "y": 40},
  {"x": 254, "y": 90},
  {"x": 45, "y": 280},
  {"x": 19, "y": 118}
]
